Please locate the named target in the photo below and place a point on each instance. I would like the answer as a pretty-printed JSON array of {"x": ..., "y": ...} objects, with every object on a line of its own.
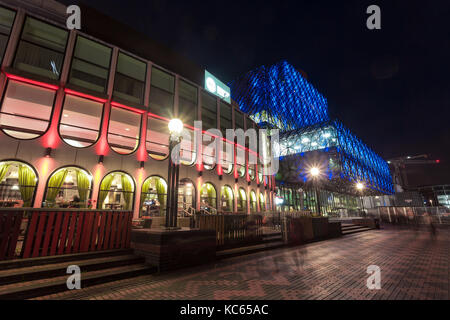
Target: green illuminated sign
[{"x": 217, "y": 87}]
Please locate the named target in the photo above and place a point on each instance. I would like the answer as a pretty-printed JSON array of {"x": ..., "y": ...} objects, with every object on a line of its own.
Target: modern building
[
  {"x": 278, "y": 96},
  {"x": 84, "y": 120}
]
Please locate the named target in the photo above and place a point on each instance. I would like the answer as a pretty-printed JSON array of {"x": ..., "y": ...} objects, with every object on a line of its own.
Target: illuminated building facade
[
  {"x": 84, "y": 120},
  {"x": 278, "y": 96}
]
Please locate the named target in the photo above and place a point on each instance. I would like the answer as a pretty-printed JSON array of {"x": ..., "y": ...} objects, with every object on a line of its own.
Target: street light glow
[
  {"x": 175, "y": 126},
  {"x": 359, "y": 186},
  {"x": 314, "y": 171}
]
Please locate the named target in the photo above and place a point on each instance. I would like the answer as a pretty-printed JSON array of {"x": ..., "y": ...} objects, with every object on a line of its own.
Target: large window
[
  {"x": 239, "y": 120},
  {"x": 240, "y": 161},
  {"x": 226, "y": 199},
  {"x": 90, "y": 65},
  {"x": 208, "y": 195},
  {"x": 253, "y": 202},
  {"x": 17, "y": 184},
  {"x": 41, "y": 49},
  {"x": 154, "y": 197},
  {"x": 6, "y": 22},
  {"x": 129, "y": 83},
  {"x": 69, "y": 187},
  {"x": 188, "y": 152},
  {"x": 187, "y": 104},
  {"x": 80, "y": 121},
  {"x": 227, "y": 157},
  {"x": 26, "y": 110},
  {"x": 157, "y": 142},
  {"x": 242, "y": 201},
  {"x": 124, "y": 129},
  {"x": 209, "y": 111},
  {"x": 162, "y": 93},
  {"x": 116, "y": 192},
  {"x": 209, "y": 148},
  {"x": 225, "y": 118},
  {"x": 262, "y": 203}
]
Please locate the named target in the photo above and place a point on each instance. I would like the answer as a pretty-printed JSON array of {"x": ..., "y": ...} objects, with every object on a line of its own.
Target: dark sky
[{"x": 390, "y": 86}]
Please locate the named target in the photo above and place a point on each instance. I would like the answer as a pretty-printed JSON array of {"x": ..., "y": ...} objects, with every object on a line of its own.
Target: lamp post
[
  {"x": 175, "y": 130},
  {"x": 360, "y": 188},
  {"x": 315, "y": 173}
]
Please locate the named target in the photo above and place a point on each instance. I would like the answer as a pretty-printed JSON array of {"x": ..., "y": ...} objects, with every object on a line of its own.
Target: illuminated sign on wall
[{"x": 217, "y": 87}]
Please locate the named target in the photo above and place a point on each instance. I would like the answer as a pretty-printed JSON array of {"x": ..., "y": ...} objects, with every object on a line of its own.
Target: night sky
[{"x": 390, "y": 87}]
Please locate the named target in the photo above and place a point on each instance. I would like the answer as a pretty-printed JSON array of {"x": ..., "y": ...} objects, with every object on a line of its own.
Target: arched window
[
  {"x": 208, "y": 195},
  {"x": 116, "y": 192},
  {"x": 124, "y": 130},
  {"x": 262, "y": 203},
  {"x": 157, "y": 141},
  {"x": 227, "y": 199},
  {"x": 209, "y": 146},
  {"x": 186, "y": 195},
  {"x": 227, "y": 157},
  {"x": 18, "y": 183},
  {"x": 69, "y": 187},
  {"x": 242, "y": 201},
  {"x": 253, "y": 202},
  {"x": 26, "y": 110},
  {"x": 80, "y": 121},
  {"x": 240, "y": 161},
  {"x": 188, "y": 152},
  {"x": 154, "y": 197},
  {"x": 251, "y": 171}
]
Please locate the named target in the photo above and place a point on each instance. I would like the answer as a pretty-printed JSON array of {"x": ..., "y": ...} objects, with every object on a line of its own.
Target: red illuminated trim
[
  {"x": 116, "y": 104},
  {"x": 84, "y": 95},
  {"x": 33, "y": 82}
]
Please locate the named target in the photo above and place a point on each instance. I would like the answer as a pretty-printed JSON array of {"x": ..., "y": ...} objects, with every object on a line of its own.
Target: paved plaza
[{"x": 414, "y": 265}]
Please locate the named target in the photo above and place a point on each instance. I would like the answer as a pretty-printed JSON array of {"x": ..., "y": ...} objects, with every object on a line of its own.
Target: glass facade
[
  {"x": 162, "y": 93},
  {"x": 187, "y": 103},
  {"x": 41, "y": 49},
  {"x": 124, "y": 130},
  {"x": 116, "y": 192},
  {"x": 157, "y": 142},
  {"x": 90, "y": 65},
  {"x": 209, "y": 111},
  {"x": 18, "y": 183},
  {"x": 225, "y": 118}
]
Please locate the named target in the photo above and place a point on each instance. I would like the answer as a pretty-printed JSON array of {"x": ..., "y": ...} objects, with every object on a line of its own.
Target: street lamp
[
  {"x": 315, "y": 173},
  {"x": 175, "y": 130},
  {"x": 360, "y": 187}
]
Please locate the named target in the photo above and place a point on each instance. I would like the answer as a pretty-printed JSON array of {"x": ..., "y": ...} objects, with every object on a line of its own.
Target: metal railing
[{"x": 407, "y": 215}]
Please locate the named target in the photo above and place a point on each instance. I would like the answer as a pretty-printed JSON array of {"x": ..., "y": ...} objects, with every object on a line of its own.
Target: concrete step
[
  {"x": 23, "y": 263},
  {"x": 356, "y": 229},
  {"x": 59, "y": 269},
  {"x": 249, "y": 249},
  {"x": 273, "y": 237},
  {"x": 41, "y": 287}
]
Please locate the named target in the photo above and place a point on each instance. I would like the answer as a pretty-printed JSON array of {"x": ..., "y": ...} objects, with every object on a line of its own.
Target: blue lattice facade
[{"x": 279, "y": 97}]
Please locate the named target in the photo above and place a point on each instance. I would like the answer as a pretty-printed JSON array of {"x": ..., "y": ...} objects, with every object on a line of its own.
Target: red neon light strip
[
  {"x": 116, "y": 104},
  {"x": 84, "y": 95},
  {"x": 34, "y": 82}
]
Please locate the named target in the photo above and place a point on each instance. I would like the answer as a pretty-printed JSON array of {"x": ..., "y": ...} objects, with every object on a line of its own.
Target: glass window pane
[
  {"x": 239, "y": 120},
  {"x": 187, "y": 104},
  {"x": 157, "y": 142},
  {"x": 209, "y": 111},
  {"x": 80, "y": 121},
  {"x": 154, "y": 197},
  {"x": 208, "y": 195},
  {"x": 17, "y": 184},
  {"x": 227, "y": 157},
  {"x": 6, "y": 22},
  {"x": 123, "y": 132},
  {"x": 26, "y": 110},
  {"x": 90, "y": 65},
  {"x": 116, "y": 192},
  {"x": 163, "y": 80},
  {"x": 225, "y": 117},
  {"x": 188, "y": 152},
  {"x": 131, "y": 67},
  {"x": 129, "y": 82},
  {"x": 41, "y": 49}
]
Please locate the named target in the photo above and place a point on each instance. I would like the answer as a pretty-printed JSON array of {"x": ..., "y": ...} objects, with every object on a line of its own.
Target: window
[
  {"x": 17, "y": 184},
  {"x": 240, "y": 161},
  {"x": 41, "y": 49},
  {"x": 157, "y": 142},
  {"x": 187, "y": 104},
  {"x": 227, "y": 157},
  {"x": 262, "y": 203},
  {"x": 225, "y": 118},
  {"x": 209, "y": 146},
  {"x": 162, "y": 93},
  {"x": 124, "y": 129},
  {"x": 227, "y": 199},
  {"x": 253, "y": 202},
  {"x": 239, "y": 120},
  {"x": 80, "y": 121},
  {"x": 208, "y": 195},
  {"x": 6, "y": 22},
  {"x": 186, "y": 197},
  {"x": 90, "y": 65},
  {"x": 116, "y": 192},
  {"x": 69, "y": 187},
  {"x": 188, "y": 152},
  {"x": 26, "y": 110},
  {"x": 209, "y": 111},
  {"x": 154, "y": 197},
  {"x": 129, "y": 82},
  {"x": 242, "y": 201}
]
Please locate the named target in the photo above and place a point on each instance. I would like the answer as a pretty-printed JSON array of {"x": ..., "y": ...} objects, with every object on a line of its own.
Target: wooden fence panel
[{"x": 9, "y": 233}]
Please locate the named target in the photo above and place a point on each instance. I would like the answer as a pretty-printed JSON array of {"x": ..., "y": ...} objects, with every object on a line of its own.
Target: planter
[{"x": 320, "y": 228}]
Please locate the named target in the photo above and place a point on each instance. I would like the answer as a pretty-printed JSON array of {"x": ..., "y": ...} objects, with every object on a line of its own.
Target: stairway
[
  {"x": 269, "y": 241},
  {"x": 30, "y": 278},
  {"x": 349, "y": 228}
]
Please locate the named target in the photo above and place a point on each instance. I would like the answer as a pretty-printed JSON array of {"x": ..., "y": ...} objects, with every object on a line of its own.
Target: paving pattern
[{"x": 414, "y": 265}]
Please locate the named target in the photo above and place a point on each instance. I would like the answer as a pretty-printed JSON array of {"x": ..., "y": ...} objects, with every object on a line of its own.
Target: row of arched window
[{"x": 71, "y": 187}]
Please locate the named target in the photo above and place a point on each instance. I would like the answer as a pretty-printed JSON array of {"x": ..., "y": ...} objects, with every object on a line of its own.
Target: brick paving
[{"x": 413, "y": 265}]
